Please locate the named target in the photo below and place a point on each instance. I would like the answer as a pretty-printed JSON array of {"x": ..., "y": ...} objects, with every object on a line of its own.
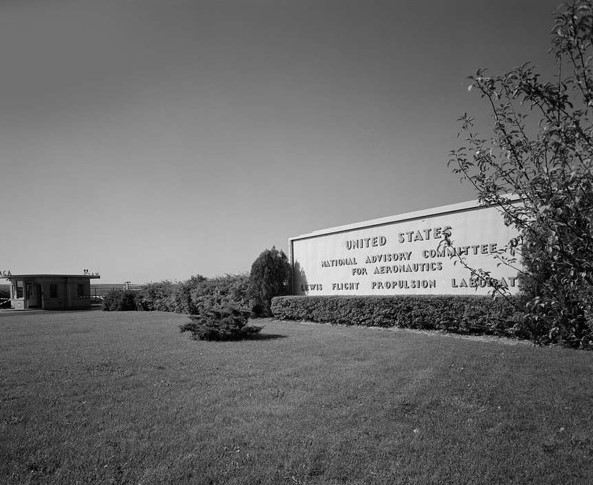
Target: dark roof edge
[{"x": 50, "y": 275}]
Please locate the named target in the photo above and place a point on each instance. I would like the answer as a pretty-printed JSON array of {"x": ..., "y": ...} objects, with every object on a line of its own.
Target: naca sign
[{"x": 406, "y": 254}]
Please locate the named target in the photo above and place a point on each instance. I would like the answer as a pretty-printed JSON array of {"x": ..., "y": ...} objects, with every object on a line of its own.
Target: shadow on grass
[
  {"x": 216, "y": 333},
  {"x": 36, "y": 311},
  {"x": 265, "y": 336},
  {"x": 246, "y": 338}
]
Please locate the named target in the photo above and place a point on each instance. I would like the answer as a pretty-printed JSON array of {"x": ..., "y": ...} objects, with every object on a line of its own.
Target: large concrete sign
[{"x": 405, "y": 254}]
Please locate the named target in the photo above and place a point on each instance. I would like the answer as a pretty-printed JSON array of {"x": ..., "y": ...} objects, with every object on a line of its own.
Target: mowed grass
[{"x": 95, "y": 397}]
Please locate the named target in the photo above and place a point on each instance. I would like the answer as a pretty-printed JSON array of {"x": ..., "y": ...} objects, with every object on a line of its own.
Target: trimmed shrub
[
  {"x": 223, "y": 323},
  {"x": 458, "y": 314},
  {"x": 119, "y": 301},
  {"x": 269, "y": 277}
]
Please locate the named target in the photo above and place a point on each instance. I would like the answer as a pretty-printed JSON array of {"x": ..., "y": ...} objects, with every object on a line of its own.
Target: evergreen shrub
[
  {"x": 222, "y": 323},
  {"x": 269, "y": 277},
  {"x": 458, "y": 314}
]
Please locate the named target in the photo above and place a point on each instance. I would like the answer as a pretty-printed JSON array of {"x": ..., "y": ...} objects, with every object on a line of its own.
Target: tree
[
  {"x": 541, "y": 150},
  {"x": 269, "y": 277}
]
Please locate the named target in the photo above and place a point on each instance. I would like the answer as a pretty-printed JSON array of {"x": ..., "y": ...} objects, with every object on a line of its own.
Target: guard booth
[{"x": 51, "y": 291}]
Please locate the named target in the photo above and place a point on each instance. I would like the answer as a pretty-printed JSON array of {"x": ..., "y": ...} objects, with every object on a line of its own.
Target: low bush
[
  {"x": 119, "y": 301},
  {"x": 458, "y": 314},
  {"x": 224, "y": 323}
]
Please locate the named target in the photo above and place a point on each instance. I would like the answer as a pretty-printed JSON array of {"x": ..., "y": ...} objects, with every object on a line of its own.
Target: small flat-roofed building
[{"x": 51, "y": 291}]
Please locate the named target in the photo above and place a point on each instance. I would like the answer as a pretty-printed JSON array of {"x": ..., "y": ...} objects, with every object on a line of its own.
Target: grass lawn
[{"x": 98, "y": 397}]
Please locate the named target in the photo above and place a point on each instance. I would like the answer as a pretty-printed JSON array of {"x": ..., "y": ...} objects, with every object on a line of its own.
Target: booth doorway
[{"x": 33, "y": 293}]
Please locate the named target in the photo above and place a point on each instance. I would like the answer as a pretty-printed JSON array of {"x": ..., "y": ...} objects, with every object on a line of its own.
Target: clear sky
[{"x": 157, "y": 139}]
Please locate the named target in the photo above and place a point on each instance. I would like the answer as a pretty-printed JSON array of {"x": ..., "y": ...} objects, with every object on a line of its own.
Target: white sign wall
[{"x": 405, "y": 254}]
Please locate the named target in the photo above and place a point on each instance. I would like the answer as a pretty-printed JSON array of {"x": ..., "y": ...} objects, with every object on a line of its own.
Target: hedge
[
  {"x": 158, "y": 296},
  {"x": 459, "y": 314},
  {"x": 194, "y": 295},
  {"x": 119, "y": 301}
]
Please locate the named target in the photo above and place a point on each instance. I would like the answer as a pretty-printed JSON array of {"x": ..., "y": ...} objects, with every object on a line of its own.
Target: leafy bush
[
  {"x": 269, "y": 277},
  {"x": 222, "y": 291},
  {"x": 182, "y": 294},
  {"x": 156, "y": 297},
  {"x": 195, "y": 295},
  {"x": 223, "y": 323},
  {"x": 119, "y": 301},
  {"x": 458, "y": 314}
]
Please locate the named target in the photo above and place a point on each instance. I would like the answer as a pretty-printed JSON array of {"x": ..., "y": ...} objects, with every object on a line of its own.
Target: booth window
[
  {"x": 19, "y": 289},
  {"x": 53, "y": 291},
  {"x": 80, "y": 291}
]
